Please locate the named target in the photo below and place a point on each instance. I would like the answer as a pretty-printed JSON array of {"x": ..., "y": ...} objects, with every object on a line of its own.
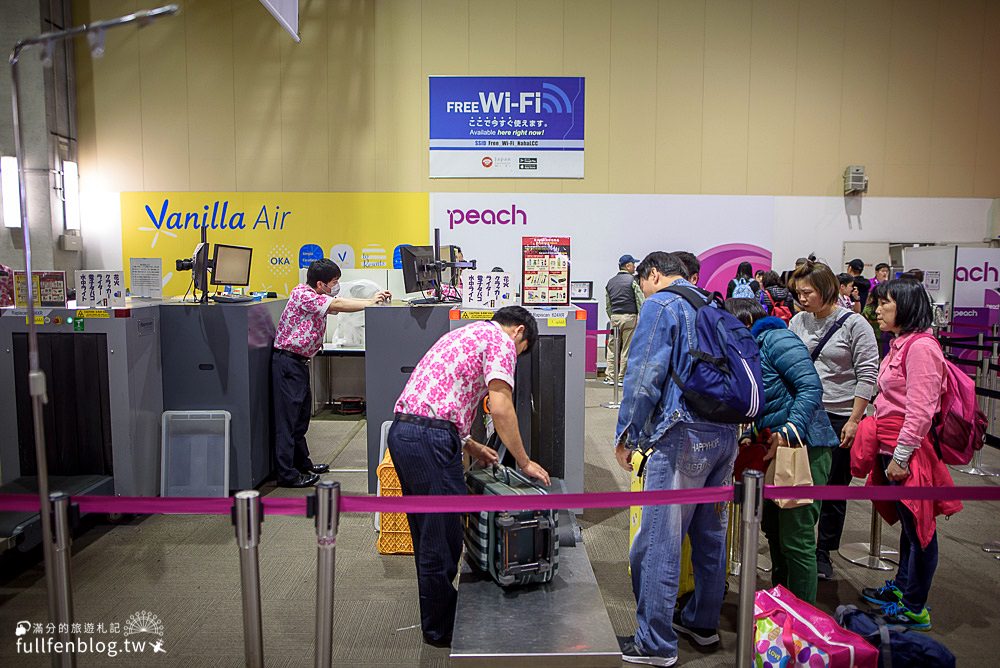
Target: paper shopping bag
[{"x": 790, "y": 468}]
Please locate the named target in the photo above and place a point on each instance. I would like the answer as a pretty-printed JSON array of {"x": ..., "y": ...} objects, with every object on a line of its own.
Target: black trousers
[
  {"x": 833, "y": 513},
  {"x": 428, "y": 460},
  {"x": 292, "y": 410}
]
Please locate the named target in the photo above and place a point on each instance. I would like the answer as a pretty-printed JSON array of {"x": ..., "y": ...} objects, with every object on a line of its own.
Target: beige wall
[{"x": 712, "y": 96}]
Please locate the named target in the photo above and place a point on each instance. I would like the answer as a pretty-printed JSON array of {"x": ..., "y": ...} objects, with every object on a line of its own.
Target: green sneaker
[
  {"x": 897, "y": 613},
  {"x": 887, "y": 593}
]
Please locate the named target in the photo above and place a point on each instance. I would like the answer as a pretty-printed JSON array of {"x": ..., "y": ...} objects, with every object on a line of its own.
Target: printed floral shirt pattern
[
  {"x": 451, "y": 379},
  {"x": 303, "y": 322}
]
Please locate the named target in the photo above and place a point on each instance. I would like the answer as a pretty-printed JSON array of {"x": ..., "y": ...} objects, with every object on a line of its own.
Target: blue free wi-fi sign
[{"x": 513, "y": 127}]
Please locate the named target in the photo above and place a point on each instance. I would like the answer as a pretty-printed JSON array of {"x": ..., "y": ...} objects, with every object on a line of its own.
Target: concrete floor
[{"x": 185, "y": 570}]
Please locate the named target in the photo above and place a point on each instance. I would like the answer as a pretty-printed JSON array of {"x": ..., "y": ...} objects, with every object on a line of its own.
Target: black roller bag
[{"x": 515, "y": 548}]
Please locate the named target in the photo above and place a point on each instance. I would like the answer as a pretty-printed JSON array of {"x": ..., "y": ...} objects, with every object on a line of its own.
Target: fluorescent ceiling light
[
  {"x": 10, "y": 191},
  {"x": 71, "y": 194}
]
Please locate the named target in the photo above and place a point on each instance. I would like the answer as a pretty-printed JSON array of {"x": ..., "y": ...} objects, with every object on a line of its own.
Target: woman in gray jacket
[{"x": 845, "y": 352}]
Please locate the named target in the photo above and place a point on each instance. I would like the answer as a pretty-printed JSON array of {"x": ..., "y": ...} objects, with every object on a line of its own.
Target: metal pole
[
  {"x": 327, "y": 521},
  {"x": 871, "y": 554},
  {"x": 61, "y": 575},
  {"x": 247, "y": 517},
  {"x": 616, "y": 404},
  {"x": 753, "y": 503},
  {"x": 36, "y": 378},
  {"x": 988, "y": 405}
]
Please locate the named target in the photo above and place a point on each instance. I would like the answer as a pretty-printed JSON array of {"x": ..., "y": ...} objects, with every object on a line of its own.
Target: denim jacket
[{"x": 651, "y": 402}]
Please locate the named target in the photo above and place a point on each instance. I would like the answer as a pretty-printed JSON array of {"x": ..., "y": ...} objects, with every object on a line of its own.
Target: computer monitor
[
  {"x": 198, "y": 261},
  {"x": 231, "y": 265},
  {"x": 419, "y": 274}
]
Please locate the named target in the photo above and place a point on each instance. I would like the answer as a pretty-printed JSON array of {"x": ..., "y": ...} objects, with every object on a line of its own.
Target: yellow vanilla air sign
[{"x": 285, "y": 230}]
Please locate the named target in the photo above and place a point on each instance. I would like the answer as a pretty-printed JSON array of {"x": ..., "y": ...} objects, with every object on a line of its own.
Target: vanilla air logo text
[{"x": 216, "y": 216}]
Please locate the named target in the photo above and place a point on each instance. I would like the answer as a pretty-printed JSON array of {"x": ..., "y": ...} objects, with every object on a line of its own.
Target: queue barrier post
[
  {"x": 871, "y": 555},
  {"x": 247, "y": 517},
  {"x": 987, "y": 379},
  {"x": 327, "y": 522},
  {"x": 616, "y": 403},
  {"x": 61, "y": 542},
  {"x": 752, "y": 502}
]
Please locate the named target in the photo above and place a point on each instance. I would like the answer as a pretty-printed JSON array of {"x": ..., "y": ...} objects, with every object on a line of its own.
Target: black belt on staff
[
  {"x": 294, "y": 356},
  {"x": 427, "y": 422}
]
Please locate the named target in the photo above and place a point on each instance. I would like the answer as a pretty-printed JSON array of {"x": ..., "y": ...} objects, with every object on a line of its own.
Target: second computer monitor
[{"x": 231, "y": 265}]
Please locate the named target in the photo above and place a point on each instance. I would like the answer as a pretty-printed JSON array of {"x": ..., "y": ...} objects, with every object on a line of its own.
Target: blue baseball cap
[{"x": 625, "y": 259}]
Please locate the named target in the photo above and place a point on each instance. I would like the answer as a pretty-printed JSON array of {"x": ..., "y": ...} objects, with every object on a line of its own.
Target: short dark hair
[
  {"x": 913, "y": 308},
  {"x": 877, "y": 293},
  {"x": 915, "y": 274},
  {"x": 770, "y": 279},
  {"x": 324, "y": 270},
  {"x": 881, "y": 265},
  {"x": 690, "y": 262},
  {"x": 748, "y": 311},
  {"x": 512, "y": 316},
  {"x": 819, "y": 276},
  {"x": 667, "y": 264},
  {"x": 745, "y": 270},
  {"x": 845, "y": 279}
]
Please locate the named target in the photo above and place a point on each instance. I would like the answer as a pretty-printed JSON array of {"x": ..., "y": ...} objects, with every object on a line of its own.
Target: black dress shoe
[
  {"x": 444, "y": 642},
  {"x": 304, "y": 480},
  {"x": 318, "y": 469}
]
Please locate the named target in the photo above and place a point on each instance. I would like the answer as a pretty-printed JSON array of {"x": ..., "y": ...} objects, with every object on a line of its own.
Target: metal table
[{"x": 563, "y": 623}]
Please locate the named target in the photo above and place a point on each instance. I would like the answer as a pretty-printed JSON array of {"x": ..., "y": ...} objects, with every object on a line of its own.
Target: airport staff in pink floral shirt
[
  {"x": 433, "y": 420},
  {"x": 298, "y": 338}
]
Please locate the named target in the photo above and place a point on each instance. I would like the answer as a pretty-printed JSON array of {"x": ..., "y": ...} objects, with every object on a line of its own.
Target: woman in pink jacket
[{"x": 895, "y": 448}]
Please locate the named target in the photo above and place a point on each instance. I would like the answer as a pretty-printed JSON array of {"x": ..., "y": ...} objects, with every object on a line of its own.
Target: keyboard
[{"x": 231, "y": 299}]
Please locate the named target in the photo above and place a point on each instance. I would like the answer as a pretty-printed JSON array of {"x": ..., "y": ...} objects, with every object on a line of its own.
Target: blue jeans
[
  {"x": 690, "y": 456},
  {"x": 916, "y": 564}
]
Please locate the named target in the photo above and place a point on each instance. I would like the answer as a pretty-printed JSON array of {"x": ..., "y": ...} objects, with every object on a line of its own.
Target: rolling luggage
[{"x": 514, "y": 548}]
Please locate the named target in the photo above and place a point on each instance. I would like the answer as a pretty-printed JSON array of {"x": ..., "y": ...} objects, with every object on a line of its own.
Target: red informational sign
[
  {"x": 545, "y": 271},
  {"x": 49, "y": 288}
]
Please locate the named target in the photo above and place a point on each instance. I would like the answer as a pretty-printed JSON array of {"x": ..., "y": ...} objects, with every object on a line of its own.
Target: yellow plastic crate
[{"x": 394, "y": 531}]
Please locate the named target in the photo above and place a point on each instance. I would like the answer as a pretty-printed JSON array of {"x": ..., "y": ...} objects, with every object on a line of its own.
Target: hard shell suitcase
[{"x": 514, "y": 548}]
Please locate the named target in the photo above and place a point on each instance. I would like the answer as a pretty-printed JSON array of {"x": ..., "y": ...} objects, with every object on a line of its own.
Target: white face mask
[{"x": 334, "y": 289}]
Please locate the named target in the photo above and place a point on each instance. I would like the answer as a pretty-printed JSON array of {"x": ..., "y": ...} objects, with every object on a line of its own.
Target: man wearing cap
[
  {"x": 854, "y": 268},
  {"x": 622, "y": 303}
]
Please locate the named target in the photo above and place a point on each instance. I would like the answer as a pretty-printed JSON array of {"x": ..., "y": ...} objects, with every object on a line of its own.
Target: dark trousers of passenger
[
  {"x": 428, "y": 460},
  {"x": 833, "y": 513},
  {"x": 791, "y": 535},
  {"x": 292, "y": 409},
  {"x": 916, "y": 564}
]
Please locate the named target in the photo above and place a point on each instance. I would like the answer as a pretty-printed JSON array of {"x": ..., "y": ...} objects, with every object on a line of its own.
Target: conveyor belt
[
  {"x": 563, "y": 623},
  {"x": 23, "y": 529}
]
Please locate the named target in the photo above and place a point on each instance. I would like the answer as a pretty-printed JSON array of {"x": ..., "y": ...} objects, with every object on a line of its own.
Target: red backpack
[
  {"x": 775, "y": 309},
  {"x": 959, "y": 430}
]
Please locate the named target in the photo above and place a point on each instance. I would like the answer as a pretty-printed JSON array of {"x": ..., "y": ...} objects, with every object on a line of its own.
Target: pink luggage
[{"x": 791, "y": 633}]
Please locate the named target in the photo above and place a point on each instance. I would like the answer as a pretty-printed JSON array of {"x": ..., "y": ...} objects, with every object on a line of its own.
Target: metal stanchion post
[
  {"x": 616, "y": 404},
  {"x": 735, "y": 539},
  {"x": 871, "y": 554},
  {"x": 247, "y": 517},
  {"x": 752, "y": 502},
  {"x": 62, "y": 540},
  {"x": 984, "y": 378},
  {"x": 327, "y": 520}
]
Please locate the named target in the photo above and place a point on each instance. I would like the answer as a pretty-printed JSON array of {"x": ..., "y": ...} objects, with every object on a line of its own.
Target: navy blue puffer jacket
[{"x": 793, "y": 391}]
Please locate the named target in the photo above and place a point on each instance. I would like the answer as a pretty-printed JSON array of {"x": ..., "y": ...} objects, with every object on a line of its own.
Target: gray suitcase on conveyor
[{"x": 514, "y": 548}]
